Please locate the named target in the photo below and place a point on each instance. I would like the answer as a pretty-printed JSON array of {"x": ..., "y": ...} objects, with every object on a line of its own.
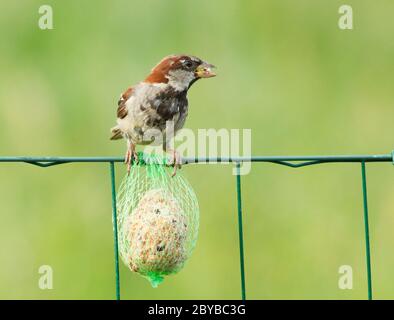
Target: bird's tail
[{"x": 116, "y": 134}]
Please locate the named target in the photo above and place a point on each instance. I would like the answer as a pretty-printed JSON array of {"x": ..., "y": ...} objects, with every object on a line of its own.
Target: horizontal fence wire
[
  {"x": 289, "y": 161},
  {"x": 284, "y": 160}
]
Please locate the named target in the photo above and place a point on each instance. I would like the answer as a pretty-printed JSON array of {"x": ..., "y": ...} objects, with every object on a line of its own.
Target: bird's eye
[{"x": 188, "y": 64}]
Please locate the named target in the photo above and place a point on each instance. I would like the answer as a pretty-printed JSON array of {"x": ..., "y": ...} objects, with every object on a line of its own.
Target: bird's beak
[{"x": 204, "y": 70}]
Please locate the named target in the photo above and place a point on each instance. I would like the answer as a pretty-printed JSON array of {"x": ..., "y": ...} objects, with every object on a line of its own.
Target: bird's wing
[
  {"x": 116, "y": 132},
  {"x": 122, "y": 110}
]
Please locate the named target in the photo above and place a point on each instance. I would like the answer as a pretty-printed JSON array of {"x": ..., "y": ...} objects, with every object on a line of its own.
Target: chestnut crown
[{"x": 180, "y": 71}]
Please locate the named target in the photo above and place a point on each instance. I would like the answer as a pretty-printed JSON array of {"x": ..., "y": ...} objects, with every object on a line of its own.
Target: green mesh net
[{"x": 158, "y": 219}]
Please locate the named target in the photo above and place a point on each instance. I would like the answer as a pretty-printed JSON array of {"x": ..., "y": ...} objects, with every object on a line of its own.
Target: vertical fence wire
[
  {"x": 366, "y": 226},
  {"x": 240, "y": 232},
  {"x": 115, "y": 229}
]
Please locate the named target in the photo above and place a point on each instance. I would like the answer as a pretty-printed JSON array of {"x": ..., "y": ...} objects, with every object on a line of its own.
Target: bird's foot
[
  {"x": 127, "y": 161},
  {"x": 175, "y": 161},
  {"x": 127, "y": 156},
  {"x": 135, "y": 156},
  {"x": 130, "y": 154}
]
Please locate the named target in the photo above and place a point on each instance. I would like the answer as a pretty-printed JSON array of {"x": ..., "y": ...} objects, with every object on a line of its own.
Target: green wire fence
[{"x": 290, "y": 161}]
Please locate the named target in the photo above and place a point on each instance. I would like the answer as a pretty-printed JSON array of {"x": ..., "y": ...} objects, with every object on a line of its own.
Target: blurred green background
[{"x": 285, "y": 70}]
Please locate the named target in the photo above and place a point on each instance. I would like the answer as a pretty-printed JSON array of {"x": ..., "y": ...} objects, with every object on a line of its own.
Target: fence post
[
  {"x": 240, "y": 232},
  {"x": 366, "y": 226},
  {"x": 115, "y": 229}
]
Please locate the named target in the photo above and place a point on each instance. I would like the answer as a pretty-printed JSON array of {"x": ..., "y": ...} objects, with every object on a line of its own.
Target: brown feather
[
  {"x": 122, "y": 110},
  {"x": 160, "y": 71},
  {"x": 116, "y": 134}
]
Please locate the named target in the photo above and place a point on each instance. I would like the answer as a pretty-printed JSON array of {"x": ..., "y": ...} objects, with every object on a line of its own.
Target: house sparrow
[{"x": 161, "y": 97}]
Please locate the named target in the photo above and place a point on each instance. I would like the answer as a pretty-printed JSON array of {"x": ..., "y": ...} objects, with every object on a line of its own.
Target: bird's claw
[
  {"x": 135, "y": 157},
  {"x": 131, "y": 153},
  {"x": 176, "y": 162}
]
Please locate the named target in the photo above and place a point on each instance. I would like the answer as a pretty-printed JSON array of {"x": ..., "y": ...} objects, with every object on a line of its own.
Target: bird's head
[{"x": 180, "y": 71}]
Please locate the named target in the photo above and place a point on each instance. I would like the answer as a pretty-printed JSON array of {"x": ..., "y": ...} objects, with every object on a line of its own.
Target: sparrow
[{"x": 145, "y": 109}]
